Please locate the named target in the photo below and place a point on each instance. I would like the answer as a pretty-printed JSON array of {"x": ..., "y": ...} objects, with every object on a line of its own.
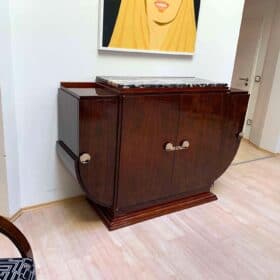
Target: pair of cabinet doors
[{"x": 210, "y": 122}]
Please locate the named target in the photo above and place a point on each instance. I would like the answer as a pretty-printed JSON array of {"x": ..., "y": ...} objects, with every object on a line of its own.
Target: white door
[{"x": 244, "y": 75}]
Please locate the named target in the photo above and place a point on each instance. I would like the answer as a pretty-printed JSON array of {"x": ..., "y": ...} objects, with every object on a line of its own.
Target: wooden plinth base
[{"x": 155, "y": 211}]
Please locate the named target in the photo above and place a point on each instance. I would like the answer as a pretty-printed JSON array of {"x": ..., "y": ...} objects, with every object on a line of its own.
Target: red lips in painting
[{"x": 161, "y": 5}]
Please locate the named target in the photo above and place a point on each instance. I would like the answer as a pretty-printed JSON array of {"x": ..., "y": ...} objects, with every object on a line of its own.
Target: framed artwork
[{"x": 153, "y": 26}]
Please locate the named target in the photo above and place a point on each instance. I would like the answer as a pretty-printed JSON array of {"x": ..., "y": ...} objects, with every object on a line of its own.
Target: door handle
[
  {"x": 258, "y": 79},
  {"x": 185, "y": 145},
  {"x": 85, "y": 158},
  {"x": 244, "y": 79},
  {"x": 169, "y": 147}
]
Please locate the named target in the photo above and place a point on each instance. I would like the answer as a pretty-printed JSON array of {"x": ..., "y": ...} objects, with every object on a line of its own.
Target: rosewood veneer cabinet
[{"x": 144, "y": 147}]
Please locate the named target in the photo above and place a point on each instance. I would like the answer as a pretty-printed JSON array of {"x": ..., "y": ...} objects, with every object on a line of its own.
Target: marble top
[{"x": 157, "y": 82}]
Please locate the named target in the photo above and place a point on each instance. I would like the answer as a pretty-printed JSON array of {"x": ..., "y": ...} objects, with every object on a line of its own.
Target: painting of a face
[
  {"x": 163, "y": 11},
  {"x": 160, "y": 26}
]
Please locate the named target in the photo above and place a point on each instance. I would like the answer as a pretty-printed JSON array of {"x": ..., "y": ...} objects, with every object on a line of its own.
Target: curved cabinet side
[
  {"x": 234, "y": 112},
  {"x": 71, "y": 162},
  {"x": 98, "y": 119},
  {"x": 88, "y": 124}
]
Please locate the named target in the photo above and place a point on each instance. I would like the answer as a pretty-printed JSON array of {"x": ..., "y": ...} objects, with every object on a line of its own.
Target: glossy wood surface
[
  {"x": 148, "y": 123},
  {"x": 200, "y": 123},
  {"x": 234, "y": 112},
  {"x": 78, "y": 85},
  {"x": 15, "y": 235},
  {"x": 98, "y": 134},
  {"x": 126, "y": 134},
  {"x": 68, "y": 125},
  {"x": 69, "y": 159},
  {"x": 115, "y": 222}
]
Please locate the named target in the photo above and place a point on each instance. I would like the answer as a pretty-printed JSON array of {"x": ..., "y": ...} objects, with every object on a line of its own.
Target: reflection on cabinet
[{"x": 142, "y": 152}]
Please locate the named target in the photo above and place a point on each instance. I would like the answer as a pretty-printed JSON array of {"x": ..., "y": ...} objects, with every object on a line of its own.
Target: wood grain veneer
[{"x": 125, "y": 132}]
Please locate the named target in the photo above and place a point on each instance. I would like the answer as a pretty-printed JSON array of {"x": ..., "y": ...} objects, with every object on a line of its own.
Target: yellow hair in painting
[{"x": 131, "y": 30}]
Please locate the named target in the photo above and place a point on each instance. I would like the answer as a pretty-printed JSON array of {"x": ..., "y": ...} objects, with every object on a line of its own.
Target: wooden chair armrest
[{"x": 16, "y": 236}]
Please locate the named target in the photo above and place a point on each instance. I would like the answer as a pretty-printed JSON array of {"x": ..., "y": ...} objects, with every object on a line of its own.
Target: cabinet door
[
  {"x": 200, "y": 123},
  {"x": 145, "y": 171}
]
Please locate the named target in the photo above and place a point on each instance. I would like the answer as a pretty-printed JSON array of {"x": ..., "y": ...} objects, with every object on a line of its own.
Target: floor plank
[{"x": 249, "y": 152}]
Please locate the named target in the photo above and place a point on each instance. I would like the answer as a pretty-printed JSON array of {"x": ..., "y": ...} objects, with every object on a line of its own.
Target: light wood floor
[
  {"x": 248, "y": 152},
  {"x": 236, "y": 237}
]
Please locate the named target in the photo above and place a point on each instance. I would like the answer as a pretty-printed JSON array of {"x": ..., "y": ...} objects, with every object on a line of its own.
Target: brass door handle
[
  {"x": 169, "y": 147},
  {"x": 85, "y": 158},
  {"x": 185, "y": 145}
]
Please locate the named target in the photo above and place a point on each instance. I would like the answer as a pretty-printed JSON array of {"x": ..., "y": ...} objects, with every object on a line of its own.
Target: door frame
[
  {"x": 260, "y": 58},
  {"x": 254, "y": 86},
  {"x": 4, "y": 196}
]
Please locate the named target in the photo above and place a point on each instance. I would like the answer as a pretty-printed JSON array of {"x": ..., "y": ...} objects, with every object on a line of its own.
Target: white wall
[
  {"x": 271, "y": 130},
  {"x": 56, "y": 40},
  {"x": 10, "y": 190}
]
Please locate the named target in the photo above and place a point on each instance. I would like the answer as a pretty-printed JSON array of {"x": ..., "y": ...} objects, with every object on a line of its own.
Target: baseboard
[
  {"x": 14, "y": 217},
  {"x": 131, "y": 218},
  {"x": 36, "y": 207},
  {"x": 260, "y": 149}
]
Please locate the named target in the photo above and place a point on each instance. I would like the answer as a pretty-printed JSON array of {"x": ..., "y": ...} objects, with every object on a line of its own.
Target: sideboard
[{"x": 140, "y": 150}]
